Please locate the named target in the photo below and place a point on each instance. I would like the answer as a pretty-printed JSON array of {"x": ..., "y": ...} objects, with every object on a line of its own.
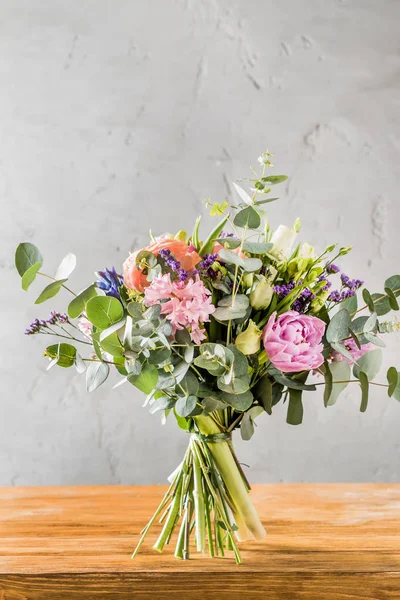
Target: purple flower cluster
[
  {"x": 349, "y": 289},
  {"x": 38, "y": 325},
  {"x": 109, "y": 281},
  {"x": 225, "y": 234},
  {"x": 284, "y": 290},
  {"x": 302, "y": 302},
  {"x": 205, "y": 265},
  {"x": 173, "y": 264},
  {"x": 331, "y": 269}
]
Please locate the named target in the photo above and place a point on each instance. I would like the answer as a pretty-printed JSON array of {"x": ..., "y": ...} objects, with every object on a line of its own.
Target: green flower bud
[
  {"x": 319, "y": 302},
  {"x": 181, "y": 236},
  {"x": 248, "y": 341},
  {"x": 248, "y": 279},
  {"x": 261, "y": 295}
]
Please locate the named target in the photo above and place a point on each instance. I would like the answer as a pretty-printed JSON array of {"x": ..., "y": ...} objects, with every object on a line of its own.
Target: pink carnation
[
  {"x": 186, "y": 305},
  {"x": 354, "y": 350},
  {"x": 293, "y": 342}
]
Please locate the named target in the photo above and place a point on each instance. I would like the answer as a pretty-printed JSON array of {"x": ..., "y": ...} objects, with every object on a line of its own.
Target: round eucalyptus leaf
[
  {"x": 104, "y": 311},
  {"x": 185, "y": 406},
  {"x": 27, "y": 255}
]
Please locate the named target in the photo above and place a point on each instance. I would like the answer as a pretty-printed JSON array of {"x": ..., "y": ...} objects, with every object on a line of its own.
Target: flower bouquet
[{"x": 215, "y": 331}]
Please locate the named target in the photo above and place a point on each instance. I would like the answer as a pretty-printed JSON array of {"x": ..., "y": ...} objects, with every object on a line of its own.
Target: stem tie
[{"x": 213, "y": 438}]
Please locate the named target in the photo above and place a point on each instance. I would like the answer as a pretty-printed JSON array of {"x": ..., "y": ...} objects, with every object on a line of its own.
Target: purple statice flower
[
  {"x": 109, "y": 281},
  {"x": 284, "y": 290},
  {"x": 332, "y": 269},
  {"x": 334, "y": 296},
  {"x": 352, "y": 284},
  {"x": 35, "y": 327},
  {"x": 225, "y": 234},
  {"x": 208, "y": 260},
  {"x": 56, "y": 317},
  {"x": 170, "y": 260},
  {"x": 183, "y": 275},
  {"x": 301, "y": 304}
]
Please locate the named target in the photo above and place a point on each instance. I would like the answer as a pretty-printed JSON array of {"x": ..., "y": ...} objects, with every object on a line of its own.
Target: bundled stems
[{"x": 209, "y": 496}]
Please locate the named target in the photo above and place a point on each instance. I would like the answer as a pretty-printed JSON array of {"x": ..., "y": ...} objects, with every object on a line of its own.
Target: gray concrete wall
[{"x": 117, "y": 116}]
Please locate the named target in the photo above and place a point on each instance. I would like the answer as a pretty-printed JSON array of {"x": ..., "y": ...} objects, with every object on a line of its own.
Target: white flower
[
  {"x": 283, "y": 240},
  {"x": 306, "y": 251}
]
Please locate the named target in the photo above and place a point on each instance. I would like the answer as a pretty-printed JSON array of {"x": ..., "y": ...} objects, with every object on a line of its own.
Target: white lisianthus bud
[
  {"x": 306, "y": 251},
  {"x": 283, "y": 239},
  {"x": 248, "y": 341},
  {"x": 261, "y": 295}
]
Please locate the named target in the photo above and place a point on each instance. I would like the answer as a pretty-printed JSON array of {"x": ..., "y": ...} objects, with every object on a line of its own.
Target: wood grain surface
[{"x": 333, "y": 542}]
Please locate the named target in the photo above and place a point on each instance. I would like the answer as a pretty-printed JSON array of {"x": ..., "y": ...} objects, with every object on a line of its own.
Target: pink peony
[
  {"x": 186, "y": 305},
  {"x": 135, "y": 279},
  {"x": 354, "y": 350},
  {"x": 292, "y": 341}
]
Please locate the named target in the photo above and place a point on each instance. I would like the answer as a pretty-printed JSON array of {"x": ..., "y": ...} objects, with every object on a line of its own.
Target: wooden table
[{"x": 325, "y": 542}]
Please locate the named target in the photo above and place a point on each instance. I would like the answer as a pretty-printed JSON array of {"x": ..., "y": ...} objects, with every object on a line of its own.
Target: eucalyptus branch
[{"x": 54, "y": 279}]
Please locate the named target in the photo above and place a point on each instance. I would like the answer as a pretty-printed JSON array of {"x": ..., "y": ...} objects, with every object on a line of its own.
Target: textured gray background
[{"x": 117, "y": 116}]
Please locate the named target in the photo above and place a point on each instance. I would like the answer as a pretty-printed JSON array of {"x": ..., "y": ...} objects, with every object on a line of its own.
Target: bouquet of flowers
[{"x": 214, "y": 332}]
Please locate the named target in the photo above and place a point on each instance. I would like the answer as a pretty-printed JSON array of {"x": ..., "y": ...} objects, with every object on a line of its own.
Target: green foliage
[
  {"x": 240, "y": 402},
  {"x": 66, "y": 267},
  {"x": 27, "y": 255},
  {"x": 147, "y": 380},
  {"x": 30, "y": 275},
  {"x": 274, "y": 179},
  {"x": 247, "y": 217},
  {"x": 340, "y": 372},
  {"x": 104, "y": 311},
  {"x": 230, "y": 308},
  {"x": 370, "y": 364},
  {"x": 112, "y": 345},
  {"x": 78, "y": 304},
  {"x": 208, "y": 244},
  {"x": 364, "y": 384},
  {"x": 295, "y": 408},
  {"x": 247, "y": 423},
  {"x": 393, "y": 380},
  {"x": 62, "y": 354},
  {"x": 186, "y": 406},
  {"x": 96, "y": 374},
  {"x": 50, "y": 291}
]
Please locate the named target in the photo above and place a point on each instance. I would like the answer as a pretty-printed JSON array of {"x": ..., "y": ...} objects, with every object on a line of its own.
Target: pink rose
[
  {"x": 354, "y": 350},
  {"x": 292, "y": 341}
]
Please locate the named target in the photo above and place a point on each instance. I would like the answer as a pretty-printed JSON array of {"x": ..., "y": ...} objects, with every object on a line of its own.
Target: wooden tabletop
[{"x": 325, "y": 542}]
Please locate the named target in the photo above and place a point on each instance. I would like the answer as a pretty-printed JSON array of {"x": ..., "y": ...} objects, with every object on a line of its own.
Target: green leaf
[
  {"x": 250, "y": 265},
  {"x": 212, "y": 403},
  {"x": 246, "y": 427},
  {"x": 112, "y": 345},
  {"x": 295, "y": 408},
  {"x": 239, "y": 402},
  {"x": 113, "y": 329},
  {"x": 257, "y": 247},
  {"x": 104, "y": 311},
  {"x": 228, "y": 242},
  {"x": 290, "y": 382},
  {"x": 163, "y": 403},
  {"x": 341, "y": 349},
  {"x": 338, "y": 328},
  {"x": 135, "y": 310},
  {"x": 370, "y": 323},
  {"x": 340, "y": 371},
  {"x": 159, "y": 356},
  {"x": 396, "y": 393},
  {"x": 227, "y": 311},
  {"x": 189, "y": 384},
  {"x": 350, "y": 304},
  {"x": 394, "y": 305},
  {"x": 381, "y": 304},
  {"x": 247, "y": 217},
  {"x": 328, "y": 383},
  {"x": 374, "y": 339},
  {"x": 77, "y": 306},
  {"x": 368, "y": 299},
  {"x": 274, "y": 179},
  {"x": 393, "y": 380},
  {"x": 208, "y": 245},
  {"x": 244, "y": 195},
  {"x": 26, "y": 256},
  {"x": 50, "y": 291},
  {"x": 96, "y": 374},
  {"x": 364, "y": 391},
  {"x": 147, "y": 380},
  {"x": 66, "y": 267},
  {"x": 265, "y": 201},
  {"x": 30, "y": 275},
  {"x": 230, "y": 257},
  {"x": 195, "y": 234},
  {"x": 370, "y": 364},
  {"x": 64, "y": 353},
  {"x": 263, "y": 393},
  {"x": 185, "y": 406},
  {"x": 393, "y": 283}
]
